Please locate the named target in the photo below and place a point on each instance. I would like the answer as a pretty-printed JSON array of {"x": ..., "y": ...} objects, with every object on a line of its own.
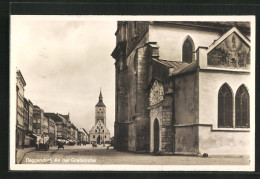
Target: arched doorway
[
  {"x": 156, "y": 137},
  {"x": 98, "y": 139}
]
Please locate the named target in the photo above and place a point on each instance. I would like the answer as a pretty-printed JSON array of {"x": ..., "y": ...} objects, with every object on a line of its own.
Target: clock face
[{"x": 100, "y": 109}]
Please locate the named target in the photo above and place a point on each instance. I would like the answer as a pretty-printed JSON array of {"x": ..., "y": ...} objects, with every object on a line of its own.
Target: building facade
[
  {"x": 60, "y": 125},
  {"x": 40, "y": 121},
  {"x": 20, "y": 120},
  {"x": 51, "y": 131},
  {"x": 99, "y": 132},
  {"x": 28, "y": 123},
  {"x": 183, "y": 87}
]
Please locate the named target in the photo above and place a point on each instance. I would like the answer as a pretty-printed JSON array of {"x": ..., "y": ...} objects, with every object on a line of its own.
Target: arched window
[
  {"x": 187, "y": 50},
  {"x": 242, "y": 107},
  {"x": 225, "y": 106}
]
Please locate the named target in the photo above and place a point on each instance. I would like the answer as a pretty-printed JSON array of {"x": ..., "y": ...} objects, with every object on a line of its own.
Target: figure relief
[{"x": 233, "y": 52}]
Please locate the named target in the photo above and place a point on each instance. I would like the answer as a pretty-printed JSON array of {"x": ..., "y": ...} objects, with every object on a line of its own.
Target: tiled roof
[
  {"x": 177, "y": 66},
  {"x": 186, "y": 68},
  {"x": 171, "y": 64}
]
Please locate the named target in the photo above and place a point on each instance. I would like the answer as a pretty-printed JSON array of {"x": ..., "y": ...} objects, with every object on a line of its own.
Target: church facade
[
  {"x": 99, "y": 132},
  {"x": 183, "y": 87}
]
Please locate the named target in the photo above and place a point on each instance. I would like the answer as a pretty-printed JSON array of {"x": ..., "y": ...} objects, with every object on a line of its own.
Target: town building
[
  {"x": 60, "y": 123},
  {"x": 99, "y": 132},
  {"x": 40, "y": 121},
  {"x": 183, "y": 87},
  {"x": 67, "y": 122},
  {"x": 51, "y": 131},
  {"x": 30, "y": 127},
  {"x": 28, "y": 123},
  {"x": 20, "y": 121}
]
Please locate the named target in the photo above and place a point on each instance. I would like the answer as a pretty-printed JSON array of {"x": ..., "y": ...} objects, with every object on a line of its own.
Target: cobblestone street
[{"x": 100, "y": 155}]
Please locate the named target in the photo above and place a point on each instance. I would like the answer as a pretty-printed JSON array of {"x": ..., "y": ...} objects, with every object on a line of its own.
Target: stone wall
[
  {"x": 131, "y": 136},
  {"x": 186, "y": 139},
  {"x": 217, "y": 142},
  {"x": 167, "y": 132},
  {"x": 186, "y": 99},
  {"x": 121, "y": 136},
  {"x": 209, "y": 85},
  {"x": 135, "y": 31},
  {"x": 170, "y": 39},
  {"x": 142, "y": 113}
]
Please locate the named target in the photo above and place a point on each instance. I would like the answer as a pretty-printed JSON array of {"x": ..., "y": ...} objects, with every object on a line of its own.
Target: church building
[
  {"x": 99, "y": 132},
  {"x": 183, "y": 87}
]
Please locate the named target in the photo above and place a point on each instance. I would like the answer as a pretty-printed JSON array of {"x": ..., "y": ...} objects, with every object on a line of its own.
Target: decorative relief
[
  {"x": 231, "y": 53},
  {"x": 156, "y": 113},
  {"x": 156, "y": 93}
]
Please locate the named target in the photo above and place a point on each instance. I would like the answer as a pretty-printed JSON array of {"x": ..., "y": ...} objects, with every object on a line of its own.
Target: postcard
[{"x": 132, "y": 93}]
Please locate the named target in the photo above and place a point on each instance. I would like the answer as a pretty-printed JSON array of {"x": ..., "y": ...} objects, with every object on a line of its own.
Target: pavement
[
  {"x": 101, "y": 155},
  {"x": 21, "y": 152}
]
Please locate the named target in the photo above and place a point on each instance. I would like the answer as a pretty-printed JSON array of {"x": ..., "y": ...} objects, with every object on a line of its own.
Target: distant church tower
[
  {"x": 99, "y": 132},
  {"x": 100, "y": 113}
]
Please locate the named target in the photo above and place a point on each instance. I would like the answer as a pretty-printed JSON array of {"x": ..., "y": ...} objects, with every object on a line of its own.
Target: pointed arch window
[
  {"x": 225, "y": 106},
  {"x": 242, "y": 107},
  {"x": 187, "y": 50}
]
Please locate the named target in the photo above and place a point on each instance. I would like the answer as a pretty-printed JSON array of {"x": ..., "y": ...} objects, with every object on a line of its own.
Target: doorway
[
  {"x": 156, "y": 135},
  {"x": 98, "y": 139}
]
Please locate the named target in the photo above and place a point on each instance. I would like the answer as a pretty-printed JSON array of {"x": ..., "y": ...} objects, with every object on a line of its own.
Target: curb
[{"x": 31, "y": 150}]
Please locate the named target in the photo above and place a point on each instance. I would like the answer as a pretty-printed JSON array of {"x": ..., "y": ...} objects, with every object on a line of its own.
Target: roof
[
  {"x": 209, "y": 25},
  {"x": 53, "y": 116},
  {"x": 187, "y": 68},
  {"x": 223, "y": 37},
  {"x": 177, "y": 66},
  {"x": 35, "y": 106},
  {"x": 101, "y": 104},
  {"x": 170, "y": 64},
  {"x": 19, "y": 75},
  {"x": 65, "y": 116}
]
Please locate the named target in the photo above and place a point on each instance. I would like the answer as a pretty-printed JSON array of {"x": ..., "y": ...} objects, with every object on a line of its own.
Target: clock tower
[{"x": 100, "y": 113}]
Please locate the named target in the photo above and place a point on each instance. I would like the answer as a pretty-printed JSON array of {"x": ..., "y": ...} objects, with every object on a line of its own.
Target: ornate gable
[
  {"x": 156, "y": 93},
  {"x": 232, "y": 50},
  {"x": 99, "y": 126}
]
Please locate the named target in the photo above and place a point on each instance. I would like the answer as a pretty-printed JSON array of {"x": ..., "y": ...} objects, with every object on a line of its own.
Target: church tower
[{"x": 100, "y": 110}]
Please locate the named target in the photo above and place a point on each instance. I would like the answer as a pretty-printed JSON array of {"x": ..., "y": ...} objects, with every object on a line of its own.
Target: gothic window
[
  {"x": 225, "y": 106},
  {"x": 93, "y": 136},
  {"x": 242, "y": 107},
  {"x": 187, "y": 50}
]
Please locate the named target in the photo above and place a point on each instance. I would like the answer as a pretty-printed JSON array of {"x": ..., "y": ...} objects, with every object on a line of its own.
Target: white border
[{"x": 76, "y": 167}]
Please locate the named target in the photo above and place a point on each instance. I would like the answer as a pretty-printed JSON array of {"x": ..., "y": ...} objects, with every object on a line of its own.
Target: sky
[{"x": 65, "y": 60}]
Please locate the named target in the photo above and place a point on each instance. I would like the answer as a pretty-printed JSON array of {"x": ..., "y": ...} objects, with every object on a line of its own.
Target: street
[{"x": 102, "y": 155}]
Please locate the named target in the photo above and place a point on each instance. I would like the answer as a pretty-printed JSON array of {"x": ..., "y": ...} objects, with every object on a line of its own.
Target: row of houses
[{"x": 32, "y": 121}]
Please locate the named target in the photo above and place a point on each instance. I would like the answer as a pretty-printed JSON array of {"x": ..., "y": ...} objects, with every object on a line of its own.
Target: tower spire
[{"x": 100, "y": 96}]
